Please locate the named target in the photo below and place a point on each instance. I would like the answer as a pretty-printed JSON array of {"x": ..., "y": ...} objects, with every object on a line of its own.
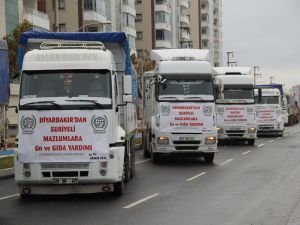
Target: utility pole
[
  {"x": 272, "y": 79},
  {"x": 256, "y": 75},
  {"x": 228, "y": 58}
]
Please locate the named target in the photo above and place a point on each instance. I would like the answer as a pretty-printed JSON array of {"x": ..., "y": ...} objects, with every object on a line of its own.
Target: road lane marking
[
  {"x": 194, "y": 177},
  {"x": 227, "y": 161},
  {"x": 271, "y": 141},
  {"x": 259, "y": 146},
  {"x": 146, "y": 160},
  {"x": 279, "y": 138},
  {"x": 245, "y": 153},
  {"x": 9, "y": 196},
  {"x": 140, "y": 201}
]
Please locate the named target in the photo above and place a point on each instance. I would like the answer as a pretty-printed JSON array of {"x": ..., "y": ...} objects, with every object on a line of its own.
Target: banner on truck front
[
  {"x": 63, "y": 136},
  {"x": 235, "y": 115},
  {"x": 266, "y": 115},
  {"x": 187, "y": 117}
]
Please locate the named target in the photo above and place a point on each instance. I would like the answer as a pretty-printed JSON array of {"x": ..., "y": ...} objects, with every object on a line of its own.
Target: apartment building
[
  {"x": 206, "y": 27},
  {"x": 184, "y": 28},
  {"x": 13, "y": 12},
  {"x": 158, "y": 24}
]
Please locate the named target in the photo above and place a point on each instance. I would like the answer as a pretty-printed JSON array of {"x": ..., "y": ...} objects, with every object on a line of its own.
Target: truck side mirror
[
  {"x": 259, "y": 95},
  {"x": 127, "y": 89}
]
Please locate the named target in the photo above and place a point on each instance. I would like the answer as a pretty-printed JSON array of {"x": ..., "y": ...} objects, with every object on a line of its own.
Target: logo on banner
[
  {"x": 99, "y": 123},
  {"x": 28, "y": 124},
  {"x": 165, "y": 110},
  {"x": 207, "y": 110}
]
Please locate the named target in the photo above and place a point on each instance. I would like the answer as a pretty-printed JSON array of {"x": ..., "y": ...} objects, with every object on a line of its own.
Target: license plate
[
  {"x": 186, "y": 138},
  {"x": 65, "y": 180}
]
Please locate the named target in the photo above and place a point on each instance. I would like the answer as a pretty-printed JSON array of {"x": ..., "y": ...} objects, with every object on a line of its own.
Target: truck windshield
[
  {"x": 71, "y": 83},
  {"x": 238, "y": 93},
  {"x": 186, "y": 88},
  {"x": 268, "y": 100}
]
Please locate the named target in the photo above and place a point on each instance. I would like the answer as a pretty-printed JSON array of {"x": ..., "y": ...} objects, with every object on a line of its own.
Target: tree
[
  {"x": 13, "y": 41},
  {"x": 144, "y": 64}
]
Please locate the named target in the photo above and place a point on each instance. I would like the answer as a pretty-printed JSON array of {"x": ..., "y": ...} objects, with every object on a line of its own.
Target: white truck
[
  {"x": 290, "y": 109},
  {"x": 269, "y": 113},
  {"x": 76, "y": 114},
  {"x": 179, "y": 105},
  {"x": 235, "y": 104}
]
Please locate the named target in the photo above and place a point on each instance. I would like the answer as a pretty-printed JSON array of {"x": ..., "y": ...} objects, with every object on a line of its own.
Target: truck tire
[
  {"x": 209, "y": 157},
  {"x": 127, "y": 169},
  {"x": 251, "y": 142},
  {"x": 156, "y": 158},
  {"x": 132, "y": 161},
  {"x": 119, "y": 188},
  {"x": 146, "y": 150}
]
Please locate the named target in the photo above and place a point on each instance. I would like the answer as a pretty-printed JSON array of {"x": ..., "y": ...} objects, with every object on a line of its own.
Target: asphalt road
[{"x": 246, "y": 185}]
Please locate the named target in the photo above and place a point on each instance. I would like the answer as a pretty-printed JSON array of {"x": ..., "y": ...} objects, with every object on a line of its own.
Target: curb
[{"x": 6, "y": 173}]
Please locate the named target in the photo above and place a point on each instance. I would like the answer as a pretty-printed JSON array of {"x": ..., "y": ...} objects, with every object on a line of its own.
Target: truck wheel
[
  {"x": 156, "y": 157},
  {"x": 119, "y": 188},
  {"x": 127, "y": 169},
  {"x": 209, "y": 157},
  {"x": 251, "y": 142},
  {"x": 132, "y": 161},
  {"x": 146, "y": 152}
]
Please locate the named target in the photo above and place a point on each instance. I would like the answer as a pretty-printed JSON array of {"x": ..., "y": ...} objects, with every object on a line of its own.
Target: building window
[
  {"x": 138, "y": 17},
  {"x": 205, "y": 44},
  {"x": 62, "y": 27},
  {"x": 61, "y": 4},
  {"x": 204, "y": 30},
  {"x": 137, "y": 1},
  {"x": 162, "y": 35},
  {"x": 139, "y": 35},
  {"x": 140, "y": 53}
]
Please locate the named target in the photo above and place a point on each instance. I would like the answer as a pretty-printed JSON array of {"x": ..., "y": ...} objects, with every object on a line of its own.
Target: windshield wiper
[
  {"x": 168, "y": 97},
  {"x": 41, "y": 102},
  {"x": 191, "y": 97},
  {"x": 86, "y": 100}
]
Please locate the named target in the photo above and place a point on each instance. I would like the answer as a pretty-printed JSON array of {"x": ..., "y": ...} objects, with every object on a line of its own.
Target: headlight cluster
[
  {"x": 210, "y": 140},
  {"x": 220, "y": 130},
  {"x": 251, "y": 130},
  {"x": 163, "y": 140}
]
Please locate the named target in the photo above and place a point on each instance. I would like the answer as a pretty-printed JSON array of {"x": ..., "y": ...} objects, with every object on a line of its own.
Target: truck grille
[
  {"x": 265, "y": 127},
  {"x": 187, "y": 147},
  {"x": 64, "y": 165},
  {"x": 186, "y": 142},
  {"x": 235, "y": 131}
]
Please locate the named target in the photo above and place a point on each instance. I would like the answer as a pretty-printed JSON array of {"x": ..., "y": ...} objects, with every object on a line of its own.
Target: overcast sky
[{"x": 264, "y": 33}]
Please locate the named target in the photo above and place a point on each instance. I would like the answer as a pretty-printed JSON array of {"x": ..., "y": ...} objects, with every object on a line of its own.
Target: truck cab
[
  {"x": 235, "y": 104},
  {"x": 270, "y": 118},
  {"x": 178, "y": 105},
  {"x": 76, "y": 118}
]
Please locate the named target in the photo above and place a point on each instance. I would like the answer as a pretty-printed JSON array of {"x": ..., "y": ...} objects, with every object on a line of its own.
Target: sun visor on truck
[{"x": 109, "y": 39}]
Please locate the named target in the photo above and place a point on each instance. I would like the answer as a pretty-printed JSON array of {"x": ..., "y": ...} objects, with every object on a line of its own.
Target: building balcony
[
  {"x": 184, "y": 4},
  {"x": 129, "y": 30},
  {"x": 37, "y": 18},
  {"x": 185, "y": 35},
  {"x": 204, "y": 23},
  {"x": 92, "y": 16},
  {"x": 163, "y": 26},
  {"x": 163, "y": 44},
  {"x": 163, "y": 7},
  {"x": 205, "y": 36},
  {"x": 130, "y": 9},
  {"x": 185, "y": 20}
]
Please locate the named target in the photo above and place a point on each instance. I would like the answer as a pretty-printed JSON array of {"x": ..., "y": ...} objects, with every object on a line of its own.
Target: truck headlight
[
  {"x": 163, "y": 140},
  {"x": 251, "y": 130},
  {"x": 210, "y": 140},
  {"x": 220, "y": 130}
]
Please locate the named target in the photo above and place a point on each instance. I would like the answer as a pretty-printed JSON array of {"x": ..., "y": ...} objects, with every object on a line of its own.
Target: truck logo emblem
[
  {"x": 165, "y": 110},
  {"x": 207, "y": 110},
  {"x": 99, "y": 123},
  {"x": 28, "y": 124}
]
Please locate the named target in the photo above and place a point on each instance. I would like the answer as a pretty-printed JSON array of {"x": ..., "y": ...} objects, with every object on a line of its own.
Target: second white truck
[
  {"x": 179, "y": 106},
  {"x": 235, "y": 104}
]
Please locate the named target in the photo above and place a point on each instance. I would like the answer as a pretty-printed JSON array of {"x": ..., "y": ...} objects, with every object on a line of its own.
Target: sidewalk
[{"x": 9, "y": 171}]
